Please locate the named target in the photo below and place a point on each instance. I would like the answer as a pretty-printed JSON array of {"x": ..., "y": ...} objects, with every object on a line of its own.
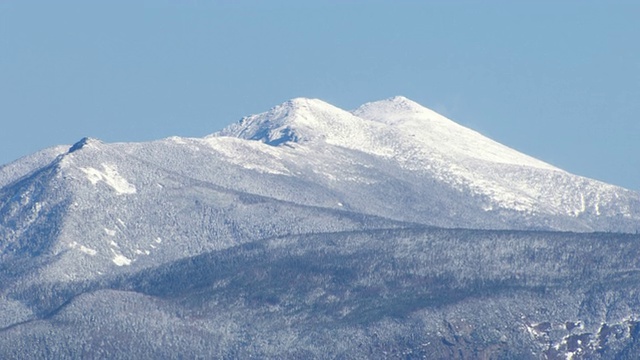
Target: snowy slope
[
  {"x": 437, "y": 134},
  {"x": 426, "y": 144},
  {"x": 304, "y": 166},
  {"x": 79, "y": 223},
  {"x": 12, "y": 171},
  {"x": 511, "y": 179},
  {"x": 103, "y": 209}
]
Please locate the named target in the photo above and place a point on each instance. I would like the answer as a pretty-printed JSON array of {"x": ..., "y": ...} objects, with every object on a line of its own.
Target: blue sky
[{"x": 558, "y": 80}]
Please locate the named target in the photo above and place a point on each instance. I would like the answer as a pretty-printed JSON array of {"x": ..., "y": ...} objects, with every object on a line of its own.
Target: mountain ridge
[
  {"x": 368, "y": 153},
  {"x": 423, "y": 141},
  {"x": 407, "y": 233}
]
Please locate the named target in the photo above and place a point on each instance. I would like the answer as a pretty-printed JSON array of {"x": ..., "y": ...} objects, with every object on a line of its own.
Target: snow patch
[
  {"x": 583, "y": 206},
  {"x": 121, "y": 260},
  {"x": 87, "y": 250},
  {"x": 82, "y": 248},
  {"x": 110, "y": 177}
]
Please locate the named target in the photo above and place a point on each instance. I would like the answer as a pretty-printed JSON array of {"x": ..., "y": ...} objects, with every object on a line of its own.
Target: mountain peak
[
  {"x": 392, "y": 127},
  {"x": 84, "y": 142},
  {"x": 302, "y": 102},
  {"x": 294, "y": 121},
  {"x": 402, "y": 101},
  {"x": 394, "y": 107}
]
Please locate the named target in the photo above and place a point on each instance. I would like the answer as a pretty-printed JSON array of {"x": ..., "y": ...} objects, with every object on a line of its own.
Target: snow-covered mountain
[
  {"x": 74, "y": 219},
  {"x": 437, "y": 157},
  {"x": 391, "y": 162},
  {"x": 391, "y": 159}
]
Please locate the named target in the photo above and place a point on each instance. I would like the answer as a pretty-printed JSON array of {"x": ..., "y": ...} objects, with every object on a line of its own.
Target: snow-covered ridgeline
[{"x": 423, "y": 141}]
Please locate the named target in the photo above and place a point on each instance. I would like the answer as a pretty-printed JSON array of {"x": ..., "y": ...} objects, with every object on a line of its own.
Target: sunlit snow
[
  {"x": 82, "y": 248},
  {"x": 419, "y": 141},
  {"x": 121, "y": 260},
  {"x": 110, "y": 177}
]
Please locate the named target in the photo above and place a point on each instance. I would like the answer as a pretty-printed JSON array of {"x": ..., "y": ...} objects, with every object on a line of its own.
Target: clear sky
[{"x": 558, "y": 80}]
